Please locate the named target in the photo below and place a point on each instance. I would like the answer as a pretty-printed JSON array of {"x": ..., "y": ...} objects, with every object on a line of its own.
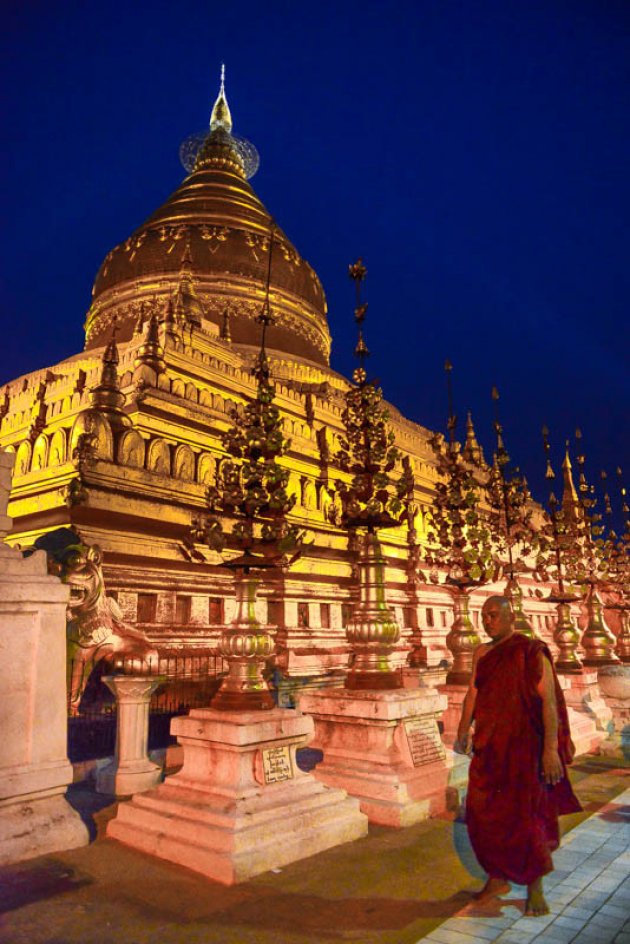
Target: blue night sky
[{"x": 474, "y": 153}]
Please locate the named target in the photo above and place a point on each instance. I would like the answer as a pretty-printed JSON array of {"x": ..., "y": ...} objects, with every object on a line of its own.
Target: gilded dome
[{"x": 207, "y": 250}]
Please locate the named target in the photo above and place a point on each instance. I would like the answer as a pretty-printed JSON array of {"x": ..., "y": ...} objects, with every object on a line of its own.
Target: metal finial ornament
[
  {"x": 549, "y": 473},
  {"x": 371, "y": 500},
  {"x": 510, "y": 517},
  {"x": 357, "y": 272},
  {"x": 451, "y": 423},
  {"x": 261, "y": 370},
  {"x": 598, "y": 641},
  {"x": 566, "y": 635},
  {"x": 218, "y": 147}
]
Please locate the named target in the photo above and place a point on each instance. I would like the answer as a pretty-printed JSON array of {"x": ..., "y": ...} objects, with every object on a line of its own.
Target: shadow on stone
[{"x": 83, "y": 798}]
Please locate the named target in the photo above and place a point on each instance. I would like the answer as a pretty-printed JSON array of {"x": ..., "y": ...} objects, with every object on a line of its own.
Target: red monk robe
[{"x": 511, "y": 814}]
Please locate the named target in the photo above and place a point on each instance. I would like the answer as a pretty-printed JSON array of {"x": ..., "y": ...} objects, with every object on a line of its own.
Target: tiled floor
[{"x": 589, "y": 893}]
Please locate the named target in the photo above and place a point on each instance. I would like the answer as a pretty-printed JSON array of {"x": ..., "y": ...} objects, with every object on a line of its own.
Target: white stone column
[
  {"x": 130, "y": 771},
  {"x": 35, "y": 818}
]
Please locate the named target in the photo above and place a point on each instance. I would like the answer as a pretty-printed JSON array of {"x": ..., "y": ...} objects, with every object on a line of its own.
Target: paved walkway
[
  {"x": 391, "y": 887},
  {"x": 588, "y": 893}
]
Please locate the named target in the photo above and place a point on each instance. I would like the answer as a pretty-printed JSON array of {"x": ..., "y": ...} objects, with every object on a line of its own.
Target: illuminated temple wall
[{"x": 148, "y": 482}]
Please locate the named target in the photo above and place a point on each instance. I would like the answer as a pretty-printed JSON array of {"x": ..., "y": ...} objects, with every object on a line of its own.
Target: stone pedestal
[
  {"x": 130, "y": 771},
  {"x": 384, "y": 748},
  {"x": 454, "y": 695},
  {"x": 584, "y": 730},
  {"x": 584, "y": 695},
  {"x": 614, "y": 685},
  {"x": 35, "y": 817},
  {"x": 240, "y": 805}
]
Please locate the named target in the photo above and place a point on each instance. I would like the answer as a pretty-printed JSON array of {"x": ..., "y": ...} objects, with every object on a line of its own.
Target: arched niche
[
  {"x": 57, "y": 448},
  {"x": 178, "y": 387},
  {"x": 206, "y": 469},
  {"x": 294, "y": 487},
  {"x": 164, "y": 383},
  {"x": 192, "y": 393},
  {"x": 205, "y": 398},
  {"x": 184, "y": 463},
  {"x": 309, "y": 495},
  {"x": 23, "y": 458},
  {"x": 40, "y": 453},
  {"x": 324, "y": 501},
  {"x": 159, "y": 457},
  {"x": 96, "y": 426},
  {"x": 131, "y": 449}
]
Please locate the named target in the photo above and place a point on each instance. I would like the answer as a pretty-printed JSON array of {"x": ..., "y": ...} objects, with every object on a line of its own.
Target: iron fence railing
[{"x": 190, "y": 680}]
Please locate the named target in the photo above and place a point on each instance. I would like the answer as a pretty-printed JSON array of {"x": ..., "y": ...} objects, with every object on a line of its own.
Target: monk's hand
[
  {"x": 462, "y": 745},
  {"x": 552, "y": 771}
]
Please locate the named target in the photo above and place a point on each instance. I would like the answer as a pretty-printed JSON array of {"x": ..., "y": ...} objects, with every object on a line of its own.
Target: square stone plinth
[
  {"x": 585, "y": 733},
  {"x": 240, "y": 805},
  {"x": 384, "y": 748}
]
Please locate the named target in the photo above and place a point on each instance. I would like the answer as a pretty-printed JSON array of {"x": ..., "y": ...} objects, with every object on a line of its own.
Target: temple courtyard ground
[{"x": 393, "y": 887}]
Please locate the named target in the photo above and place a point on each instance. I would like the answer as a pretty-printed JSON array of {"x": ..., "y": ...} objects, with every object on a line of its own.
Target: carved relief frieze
[
  {"x": 258, "y": 243},
  {"x": 131, "y": 449},
  {"x": 57, "y": 448},
  {"x": 159, "y": 457},
  {"x": 214, "y": 236},
  {"x": 23, "y": 459},
  {"x": 184, "y": 463},
  {"x": 172, "y": 235}
]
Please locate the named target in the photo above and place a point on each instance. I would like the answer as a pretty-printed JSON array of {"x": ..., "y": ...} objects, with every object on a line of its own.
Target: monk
[{"x": 518, "y": 783}]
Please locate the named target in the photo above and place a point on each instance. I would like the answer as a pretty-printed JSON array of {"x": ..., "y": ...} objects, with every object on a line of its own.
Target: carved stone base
[
  {"x": 455, "y": 695},
  {"x": 614, "y": 685},
  {"x": 383, "y": 748},
  {"x": 585, "y": 733},
  {"x": 240, "y": 805},
  {"x": 584, "y": 695},
  {"x": 39, "y": 826}
]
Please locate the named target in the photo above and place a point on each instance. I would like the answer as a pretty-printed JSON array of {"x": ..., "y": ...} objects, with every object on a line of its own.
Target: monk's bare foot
[
  {"x": 492, "y": 889},
  {"x": 536, "y": 903}
]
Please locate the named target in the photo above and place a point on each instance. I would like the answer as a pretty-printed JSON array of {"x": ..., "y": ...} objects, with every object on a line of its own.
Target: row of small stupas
[{"x": 122, "y": 440}]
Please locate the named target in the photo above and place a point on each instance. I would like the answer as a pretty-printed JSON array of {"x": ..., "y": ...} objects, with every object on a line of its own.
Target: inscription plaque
[
  {"x": 277, "y": 764},
  {"x": 424, "y": 741}
]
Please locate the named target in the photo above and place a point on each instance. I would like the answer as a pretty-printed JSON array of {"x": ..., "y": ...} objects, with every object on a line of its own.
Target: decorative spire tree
[
  {"x": 459, "y": 540},
  {"x": 372, "y": 499},
  {"x": 587, "y": 568},
  {"x": 584, "y": 532},
  {"x": 551, "y": 566},
  {"x": 251, "y": 490},
  {"x": 615, "y": 569},
  {"x": 510, "y": 521}
]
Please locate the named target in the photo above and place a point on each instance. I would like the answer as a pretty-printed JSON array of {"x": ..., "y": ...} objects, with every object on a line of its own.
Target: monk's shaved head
[
  {"x": 497, "y": 616},
  {"x": 497, "y": 600}
]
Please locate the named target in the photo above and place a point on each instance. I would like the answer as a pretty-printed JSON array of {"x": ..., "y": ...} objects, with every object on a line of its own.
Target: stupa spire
[
  {"x": 472, "y": 451},
  {"x": 107, "y": 397},
  {"x": 570, "y": 501},
  {"x": 188, "y": 307},
  {"x": 217, "y": 148},
  {"x": 221, "y": 116}
]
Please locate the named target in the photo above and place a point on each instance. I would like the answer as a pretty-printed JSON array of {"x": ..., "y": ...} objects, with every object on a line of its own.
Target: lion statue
[{"x": 96, "y": 629}]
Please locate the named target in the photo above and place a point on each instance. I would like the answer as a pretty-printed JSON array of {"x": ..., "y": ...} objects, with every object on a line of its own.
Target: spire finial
[{"x": 221, "y": 118}]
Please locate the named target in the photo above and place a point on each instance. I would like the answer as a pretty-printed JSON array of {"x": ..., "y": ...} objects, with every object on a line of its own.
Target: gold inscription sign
[
  {"x": 277, "y": 764},
  {"x": 424, "y": 741}
]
